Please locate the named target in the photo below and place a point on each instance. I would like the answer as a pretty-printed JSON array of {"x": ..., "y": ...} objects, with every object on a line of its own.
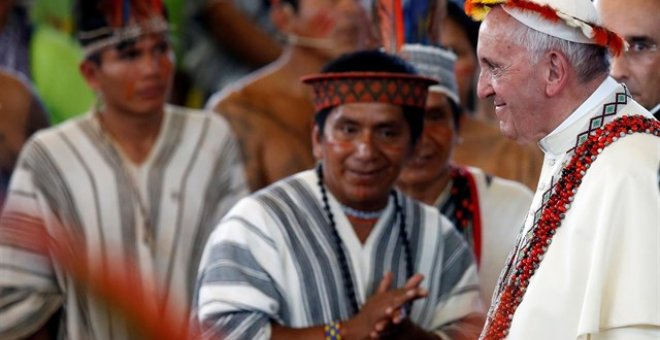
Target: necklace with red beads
[{"x": 529, "y": 260}]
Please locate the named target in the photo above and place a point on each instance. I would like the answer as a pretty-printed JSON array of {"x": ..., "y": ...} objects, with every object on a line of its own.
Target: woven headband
[
  {"x": 334, "y": 89},
  {"x": 115, "y": 36}
]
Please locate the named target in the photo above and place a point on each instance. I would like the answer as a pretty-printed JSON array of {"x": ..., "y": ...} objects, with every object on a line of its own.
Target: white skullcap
[{"x": 571, "y": 20}]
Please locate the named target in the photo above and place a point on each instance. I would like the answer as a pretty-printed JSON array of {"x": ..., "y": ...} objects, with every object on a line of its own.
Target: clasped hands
[{"x": 385, "y": 309}]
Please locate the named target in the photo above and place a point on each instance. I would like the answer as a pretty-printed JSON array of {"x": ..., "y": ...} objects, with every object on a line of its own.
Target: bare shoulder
[{"x": 15, "y": 95}]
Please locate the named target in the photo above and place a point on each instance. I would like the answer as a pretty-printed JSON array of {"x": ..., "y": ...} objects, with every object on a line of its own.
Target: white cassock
[{"x": 600, "y": 278}]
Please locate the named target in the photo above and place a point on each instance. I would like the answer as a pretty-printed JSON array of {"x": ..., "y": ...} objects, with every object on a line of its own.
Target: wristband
[{"x": 332, "y": 330}]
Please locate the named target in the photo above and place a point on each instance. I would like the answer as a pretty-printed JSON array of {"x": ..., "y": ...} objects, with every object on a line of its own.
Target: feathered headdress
[
  {"x": 103, "y": 23},
  {"x": 572, "y": 20},
  {"x": 406, "y": 21}
]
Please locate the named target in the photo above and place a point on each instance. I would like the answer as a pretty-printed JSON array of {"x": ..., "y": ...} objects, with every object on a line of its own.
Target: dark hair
[
  {"x": 456, "y": 112},
  {"x": 375, "y": 61},
  {"x": 470, "y": 27},
  {"x": 293, "y": 3},
  {"x": 91, "y": 15}
]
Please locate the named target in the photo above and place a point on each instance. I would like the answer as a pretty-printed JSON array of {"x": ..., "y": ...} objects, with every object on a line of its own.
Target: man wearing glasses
[{"x": 639, "y": 67}]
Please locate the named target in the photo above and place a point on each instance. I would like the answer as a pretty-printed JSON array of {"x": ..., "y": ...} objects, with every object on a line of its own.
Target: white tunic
[
  {"x": 74, "y": 174},
  {"x": 273, "y": 258},
  {"x": 600, "y": 278}
]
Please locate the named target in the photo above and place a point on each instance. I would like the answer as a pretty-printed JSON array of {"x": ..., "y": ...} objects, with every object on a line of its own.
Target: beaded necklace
[
  {"x": 513, "y": 291},
  {"x": 343, "y": 262},
  {"x": 361, "y": 214}
]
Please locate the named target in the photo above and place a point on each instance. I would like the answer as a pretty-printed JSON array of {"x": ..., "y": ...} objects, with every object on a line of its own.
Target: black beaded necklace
[{"x": 343, "y": 262}]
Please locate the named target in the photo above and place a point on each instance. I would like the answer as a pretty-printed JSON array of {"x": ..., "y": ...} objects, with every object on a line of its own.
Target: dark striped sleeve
[
  {"x": 235, "y": 326},
  {"x": 236, "y": 294},
  {"x": 457, "y": 261}
]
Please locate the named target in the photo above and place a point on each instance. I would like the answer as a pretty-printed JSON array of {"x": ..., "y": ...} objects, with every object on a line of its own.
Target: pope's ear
[{"x": 557, "y": 73}]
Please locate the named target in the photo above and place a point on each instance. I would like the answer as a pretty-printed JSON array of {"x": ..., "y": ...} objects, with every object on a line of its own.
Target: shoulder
[
  {"x": 16, "y": 94},
  {"x": 494, "y": 187},
  {"x": 289, "y": 188},
  {"x": 264, "y": 206},
  {"x": 631, "y": 154},
  {"x": 430, "y": 216},
  {"x": 54, "y": 145},
  {"x": 217, "y": 125},
  {"x": 68, "y": 128},
  {"x": 14, "y": 83},
  {"x": 626, "y": 168},
  {"x": 249, "y": 94}
]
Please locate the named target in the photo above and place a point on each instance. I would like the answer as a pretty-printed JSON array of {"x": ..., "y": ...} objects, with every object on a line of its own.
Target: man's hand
[{"x": 385, "y": 307}]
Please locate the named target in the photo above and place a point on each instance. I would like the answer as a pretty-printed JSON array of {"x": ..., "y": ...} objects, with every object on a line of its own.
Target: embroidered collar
[{"x": 560, "y": 140}]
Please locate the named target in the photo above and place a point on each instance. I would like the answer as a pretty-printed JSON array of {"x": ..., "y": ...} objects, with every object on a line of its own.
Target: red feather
[
  {"x": 390, "y": 13},
  {"x": 602, "y": 36},
  {"x": 609, "y": 39},
  {"x": 116, "y": 284},
  {"x": 119, "y": 286},
  {"x": 544, "y": 10}
]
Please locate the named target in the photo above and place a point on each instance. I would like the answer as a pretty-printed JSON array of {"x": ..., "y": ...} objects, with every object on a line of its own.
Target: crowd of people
[{"x": 351, "y": 169}]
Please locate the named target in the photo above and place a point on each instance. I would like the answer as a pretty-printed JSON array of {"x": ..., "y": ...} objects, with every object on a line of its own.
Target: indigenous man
[
  {"x": 270, "y": 111},
  {"x": 639, "y": 66},
  {"x": 587, "y": 265},
  {"x": 487, "y": 210},
  {"x": 336, "y": 252},
  {"x": 135, "y": 181}
]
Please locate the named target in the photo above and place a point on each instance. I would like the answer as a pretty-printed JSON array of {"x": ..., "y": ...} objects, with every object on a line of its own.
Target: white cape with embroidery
[{"x": 600, "y": 278}]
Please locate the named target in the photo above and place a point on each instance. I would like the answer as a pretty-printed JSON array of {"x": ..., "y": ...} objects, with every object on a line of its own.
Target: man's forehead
[
  {"x": 638, "y": 21},
  {"x": 367, "y": 111},
  {"x": 437, "y": 99},
  {"x": 142, "y": 41}
]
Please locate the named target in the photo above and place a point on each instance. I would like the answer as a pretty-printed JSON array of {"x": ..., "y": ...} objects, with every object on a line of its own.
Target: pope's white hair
[{"x": 588, "y": 60}]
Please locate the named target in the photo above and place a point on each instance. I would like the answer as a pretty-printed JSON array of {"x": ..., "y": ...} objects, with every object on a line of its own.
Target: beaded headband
[
  {"x": 577, "y": 19},
  {"x": 334, "y": 89},
  {"x": 113, "y": 36},
  {"x": 104, "y": 23}
]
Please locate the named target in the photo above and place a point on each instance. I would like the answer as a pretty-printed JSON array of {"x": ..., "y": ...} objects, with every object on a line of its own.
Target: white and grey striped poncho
[
  {"x": 272, "y": 259},
  {"x": 72, "y": 176}
]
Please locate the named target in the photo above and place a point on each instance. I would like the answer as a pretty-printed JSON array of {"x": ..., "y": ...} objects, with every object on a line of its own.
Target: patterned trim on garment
[
  {"x": 462, "y": 208},
  {"x": 510, "y": 295},
  {"x": 609, "y": 110},
  {"x": 334, "y": 89}
]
